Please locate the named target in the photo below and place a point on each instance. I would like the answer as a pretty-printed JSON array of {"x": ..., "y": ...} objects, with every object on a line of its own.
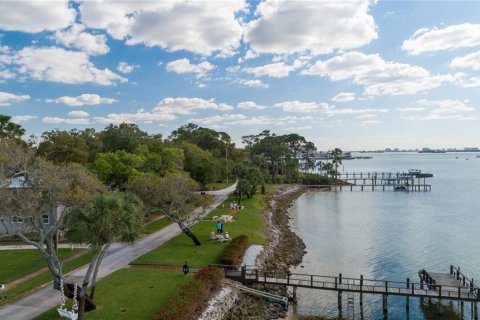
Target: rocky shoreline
[{"x": 283, "y": 250}]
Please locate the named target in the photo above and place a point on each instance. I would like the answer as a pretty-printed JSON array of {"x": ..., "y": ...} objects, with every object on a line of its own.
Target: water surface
[{"x": 391, "y": 235}]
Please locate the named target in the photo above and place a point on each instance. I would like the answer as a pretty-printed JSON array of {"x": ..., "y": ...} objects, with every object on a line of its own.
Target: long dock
[
  {"x": 413, "y": 180},
  {"x": 432, "y": 285}
]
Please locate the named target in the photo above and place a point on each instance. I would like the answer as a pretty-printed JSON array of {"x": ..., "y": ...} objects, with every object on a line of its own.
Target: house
[{"x": 9, "y": 225}]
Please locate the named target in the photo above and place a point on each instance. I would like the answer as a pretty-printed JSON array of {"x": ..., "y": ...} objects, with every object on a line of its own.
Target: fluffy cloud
[
  {"x": 75, "y": 37},
  {"x": 19, "y": 119},
  {"x": 74, "y": 121},
  {"x": 126, "y": 68},
  {"x": 471, "y": 61},
  {"x": 58, "y": 65},
  {"x": 231, "y": 118},
  {"x": 411, "y": 109},
  {"x": 7, "y": 98},
  {"x": 445, "y": 106},
  {"x": 297, "y": 106},
  {"x": 35, "y": 16},
  {"x": 377, "y": 76},
  {"x": 331, "y": 111},
  {"x": 166, "y": 110},
  {"x": 78, "y": 114},
  {"x": 184, "y": 66},
  {"x": 275, "y": 70},
  {"x": 344, "y": 97},
  {"x": 82, "y": 100},
  {"x": 200, "y": 26},
  {"x": 452, "y": 37},
  {"x": 254, "y": 83},
  {"x": 320, "y": 27},
  {"x": 250, "y": 105}
]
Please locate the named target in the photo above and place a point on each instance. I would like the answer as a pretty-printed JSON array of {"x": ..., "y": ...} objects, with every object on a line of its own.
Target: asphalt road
[{"x": 118, "y": 256}]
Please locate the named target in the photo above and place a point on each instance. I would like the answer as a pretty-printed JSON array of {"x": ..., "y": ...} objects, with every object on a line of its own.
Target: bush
[
  {"x": 233, "y": 252},
  {"x": 314, "y": 179},
  {"x": 193, "y": 297}
]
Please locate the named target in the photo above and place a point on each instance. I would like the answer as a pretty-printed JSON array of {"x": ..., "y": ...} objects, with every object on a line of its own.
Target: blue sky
[{"x": 349, "y": 74}]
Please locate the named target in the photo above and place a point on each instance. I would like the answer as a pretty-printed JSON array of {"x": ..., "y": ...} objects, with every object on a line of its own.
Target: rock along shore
[{"x": 283, "y": 250}]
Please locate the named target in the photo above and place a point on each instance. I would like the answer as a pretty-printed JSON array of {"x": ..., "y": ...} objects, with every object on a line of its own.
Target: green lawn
[
  {"x": 134, "y": 294},
  {"x": 181, "y": 248},
  {"x": 156, "y": 225},
  {"x": 217, "y": 185},
  {"x": 25, "y": 287},
  {"x": 18, "y": 263}
]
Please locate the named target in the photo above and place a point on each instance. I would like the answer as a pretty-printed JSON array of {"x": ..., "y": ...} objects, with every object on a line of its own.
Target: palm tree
[
  {"x": 112, "y": 217},
  {"x": 336, "y": 156}
]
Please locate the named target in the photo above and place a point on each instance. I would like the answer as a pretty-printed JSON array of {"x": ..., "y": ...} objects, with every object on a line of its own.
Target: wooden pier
[
  {"x": 413, "y": 180},
  {"x": 453, "y": 286}
]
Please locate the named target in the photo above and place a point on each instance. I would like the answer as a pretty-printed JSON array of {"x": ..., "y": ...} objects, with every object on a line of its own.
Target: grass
[
  {"x": 138, "y": 294},
  {"x": 18, "y": 263},
  {"x": 249, "y": 222},
  {"x": 156, "y": 225},
  {"x": 144, "y": 293},
  {"x": 28, "y": 286}
]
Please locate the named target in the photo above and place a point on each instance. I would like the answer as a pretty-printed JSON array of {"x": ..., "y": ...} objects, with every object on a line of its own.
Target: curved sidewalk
[{"x": 118, "y": 256}]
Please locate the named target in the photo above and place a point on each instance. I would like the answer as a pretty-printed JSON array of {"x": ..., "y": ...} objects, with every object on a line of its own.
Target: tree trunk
[
  {"x": 191, "y": 235},
  {"x": 97, "y": 267},
  {"x": 88, "y": 303}
]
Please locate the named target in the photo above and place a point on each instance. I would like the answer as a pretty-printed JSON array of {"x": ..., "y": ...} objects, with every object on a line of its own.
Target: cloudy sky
[{"x": 350, "y": 74}]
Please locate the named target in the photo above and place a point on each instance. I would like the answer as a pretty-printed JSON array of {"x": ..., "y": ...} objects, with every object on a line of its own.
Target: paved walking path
[{"x": 118, "y": 256}]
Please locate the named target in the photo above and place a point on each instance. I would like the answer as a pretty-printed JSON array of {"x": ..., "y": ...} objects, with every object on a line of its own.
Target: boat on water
[{"x": 400, "y": 188}]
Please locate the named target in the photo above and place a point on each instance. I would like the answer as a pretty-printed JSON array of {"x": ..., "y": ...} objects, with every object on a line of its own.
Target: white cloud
[
  {"x": 471, "y": 61},
  {"x": 297, "y": 106},
  {"x": 138, "y": 117},
  {"x": 377, "y": 76},
  {"x": 254, "y": 83},
  {"x": 452, "y": 37},
  {"x": 75, "y": 37},
  {"x": 367, "y": 116},
  {"x": 468, "y": 82},
  {"x": 185, "y": 106},
  {"x": 58, "y": 65},
  {"x": 181, "y": 66},
  {"x": 411, "y": 109},
  {"x": 82, "y": 100},
  {"x": 250, "y": 105},
  {"x": 126, "y": 68},
  {"x": 19, "y": 119},
  {"x": 275, "y": 70},
  {"x": 35, "y": 16},
  {"x": 369, "y": 122},
  {"x": 78, "y": 114},
  {"x": 52, "y": 120},
  {"x": 320, "y": 27},
  {"x": 345, "y": 111},
  {"x": 74, "y": 121},
  {"x": 166, "y": 110},
  {"x": 445, "y": 106},
  {"x": 218, "y": 119},
  {"x": 344, "y": 97},
  {"x": 6, "y": 74},
  {"x": 295, "y": 129},
  {"x": 198, "y": 26},
  {"x": 7, "y": 98}
]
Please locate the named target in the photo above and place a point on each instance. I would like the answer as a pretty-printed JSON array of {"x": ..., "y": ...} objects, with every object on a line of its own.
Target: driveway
[{"x": 118, "y": 256}]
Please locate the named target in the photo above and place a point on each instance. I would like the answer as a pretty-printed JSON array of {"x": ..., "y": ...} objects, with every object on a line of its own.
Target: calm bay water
[{"x": 391, "y": 235}]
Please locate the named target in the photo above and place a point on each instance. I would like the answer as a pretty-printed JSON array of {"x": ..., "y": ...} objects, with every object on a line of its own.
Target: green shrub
[
  {"x": 233, "y": 252},
  {"x": 191, "y": 300},
  {"x": 315, "y": 179}
]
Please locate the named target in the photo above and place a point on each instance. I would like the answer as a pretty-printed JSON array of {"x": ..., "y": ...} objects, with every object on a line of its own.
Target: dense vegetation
[{"x": 120, "y": 174}]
